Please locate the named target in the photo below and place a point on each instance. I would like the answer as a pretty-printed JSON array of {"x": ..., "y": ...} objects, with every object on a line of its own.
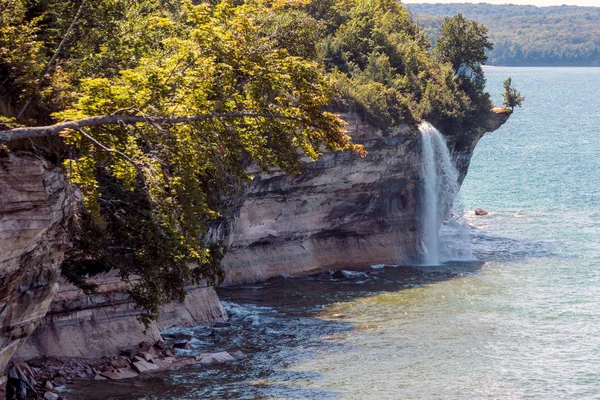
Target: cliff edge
[
  {"x": 36, "y": 204},
  {"x": 342, "y": 211}
]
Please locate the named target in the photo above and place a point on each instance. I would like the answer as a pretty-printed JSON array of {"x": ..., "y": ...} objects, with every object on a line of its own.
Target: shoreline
[{"x": 53, "y": 377}]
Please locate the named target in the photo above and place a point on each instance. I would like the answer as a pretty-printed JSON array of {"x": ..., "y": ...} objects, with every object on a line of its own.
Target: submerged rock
[
  {"x": 338, "y": 274},
  {"x": 215, "y": 358},
  {"x": 238, "y": 355},
  {"x": 182, "y": 346},
  {"x": 343, "y": 274},
  {"x": 120, "y": 373}
]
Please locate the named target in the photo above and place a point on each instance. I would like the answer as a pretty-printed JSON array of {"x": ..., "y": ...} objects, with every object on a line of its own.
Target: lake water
[{"x": 523, "y": 323}]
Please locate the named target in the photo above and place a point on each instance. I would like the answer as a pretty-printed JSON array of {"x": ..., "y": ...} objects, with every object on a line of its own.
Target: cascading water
[{"x": 440, "y": 191}]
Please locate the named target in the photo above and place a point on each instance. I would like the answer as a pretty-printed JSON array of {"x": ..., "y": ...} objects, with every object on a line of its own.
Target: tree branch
[
  {"x": 53, "y": 130},
  {"x": 125, "y": 157},
  {"x": 109, "y": 150}
]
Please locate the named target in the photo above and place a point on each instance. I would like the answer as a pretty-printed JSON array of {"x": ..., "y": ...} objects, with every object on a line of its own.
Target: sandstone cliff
[
  {"x": 106, "y": 322},
  {"x": 35, "y": 206},
  {"x": 340, "y": 212}
]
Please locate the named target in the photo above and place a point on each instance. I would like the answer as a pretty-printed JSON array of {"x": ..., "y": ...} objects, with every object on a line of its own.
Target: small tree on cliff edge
[{"x": 512, "y": 97}]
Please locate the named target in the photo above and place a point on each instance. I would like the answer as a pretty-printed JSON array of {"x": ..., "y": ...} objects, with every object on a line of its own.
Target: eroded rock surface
[
  {"x": 104, "y": 324},
  {"x": 342, "y": 211},
  {"x": 35, "y": 206}
]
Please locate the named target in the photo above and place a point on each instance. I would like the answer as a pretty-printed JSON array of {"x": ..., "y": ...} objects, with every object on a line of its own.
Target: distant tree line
[{"x": 526, "y": 35}]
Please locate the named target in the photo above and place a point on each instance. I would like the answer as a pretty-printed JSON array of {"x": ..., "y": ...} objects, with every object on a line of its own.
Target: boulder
[
  {"x": 99, "y": 377},
  {"x": 215, "y": 358},
  {"x": 121, "y": 373},
  {"x": 146, "y": 356},
  {"x": 145, "y": 346},
  {"x": 480, "y": 212},
  {"x": 120, "y": 363},
  {"x": 141, "y": 365}
]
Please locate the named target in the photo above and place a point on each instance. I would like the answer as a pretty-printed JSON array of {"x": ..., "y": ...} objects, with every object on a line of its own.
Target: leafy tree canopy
[
  {"x": 463, "y": 44},
  {"x": 162, "y": 104}
]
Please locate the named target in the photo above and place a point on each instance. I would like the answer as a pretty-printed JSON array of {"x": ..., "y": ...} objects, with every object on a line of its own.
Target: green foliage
[
  {"x": 268, "y": 77},
  {"x": 463, "y": 44},
  {"x": 380, "y": 62},
  {"x": 512, "y": 97},
  {"x": 526, "y": 35},
  {"x": 150, "y": 190},
  {"x": 18, "y": 69}
]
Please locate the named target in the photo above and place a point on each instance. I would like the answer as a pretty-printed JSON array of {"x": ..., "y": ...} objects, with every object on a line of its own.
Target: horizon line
[{"x": 436, "y": 2}]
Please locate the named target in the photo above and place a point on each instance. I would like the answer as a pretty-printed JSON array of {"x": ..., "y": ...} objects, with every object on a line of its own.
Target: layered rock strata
[
  {"x": 36, "y": 204},
  {"x": 104, "y": 324},
  {"x": 342, "y": 211}
]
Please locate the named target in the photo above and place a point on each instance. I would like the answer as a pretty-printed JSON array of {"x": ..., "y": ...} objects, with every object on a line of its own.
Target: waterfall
[{"x": 439, "y": 195}]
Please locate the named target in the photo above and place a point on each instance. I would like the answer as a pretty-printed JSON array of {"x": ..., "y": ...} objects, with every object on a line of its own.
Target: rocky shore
[{"x": 49, "y": 377}]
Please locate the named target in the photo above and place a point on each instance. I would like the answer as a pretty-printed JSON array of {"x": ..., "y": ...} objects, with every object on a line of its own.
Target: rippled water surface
[{"x": 523, "y": 323}]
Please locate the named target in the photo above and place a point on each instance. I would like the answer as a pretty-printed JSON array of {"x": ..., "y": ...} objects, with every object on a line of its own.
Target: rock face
[
  {"x": 35, "y": 206},
  {"x": 105, "y": 323},
  {"x": 342, "y": 211}
]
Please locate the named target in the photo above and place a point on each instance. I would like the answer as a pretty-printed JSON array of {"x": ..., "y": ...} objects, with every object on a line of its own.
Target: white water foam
[{"x": 440, "y": 205}]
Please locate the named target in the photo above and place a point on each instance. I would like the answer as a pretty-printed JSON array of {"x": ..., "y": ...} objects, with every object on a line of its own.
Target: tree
[
  {"x": 162, "y": 105},
  {"x": 512, "y": 97},
  {"x": 170, "y": 102},
  {"x": 463, "y": 44}
]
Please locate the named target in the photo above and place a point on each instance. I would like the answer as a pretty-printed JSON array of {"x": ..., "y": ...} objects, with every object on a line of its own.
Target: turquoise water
[{"x": 523, "y": 323}]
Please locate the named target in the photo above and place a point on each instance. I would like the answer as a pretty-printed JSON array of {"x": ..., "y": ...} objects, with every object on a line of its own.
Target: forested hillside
[{"x": 526, "y": 35}]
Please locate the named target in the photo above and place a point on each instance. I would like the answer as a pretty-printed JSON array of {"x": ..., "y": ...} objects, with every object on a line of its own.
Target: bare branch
[{"x": 53, "y": 130}]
